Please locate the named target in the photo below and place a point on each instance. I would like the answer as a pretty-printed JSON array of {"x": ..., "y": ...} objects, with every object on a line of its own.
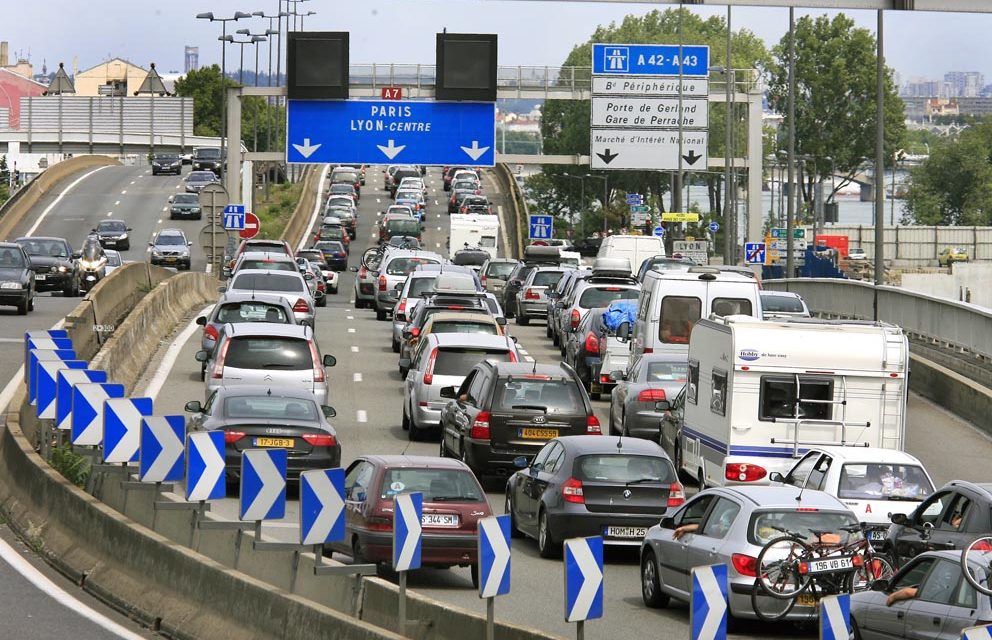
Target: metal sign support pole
[
  {"x": 402, "y": 609},
  {"x": 490, "y": 618},
  {"x": 790, "y": 220},
  {"x": 580, "y": 630}
]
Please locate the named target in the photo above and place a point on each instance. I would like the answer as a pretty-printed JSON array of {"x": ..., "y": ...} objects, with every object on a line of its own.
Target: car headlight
[
  {"x": 123, "y": 236},
  {"x": 63, "y": 268},
  {"x": 156, "y": 253},
  {"x": 11, "y": 285}
]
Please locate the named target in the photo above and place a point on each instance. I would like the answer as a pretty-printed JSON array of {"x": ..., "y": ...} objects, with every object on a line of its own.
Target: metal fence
[
  {"x": 957, "y": 325},
  {"x": 169, "y": 116},
  {"x": 918, "y": 245}
]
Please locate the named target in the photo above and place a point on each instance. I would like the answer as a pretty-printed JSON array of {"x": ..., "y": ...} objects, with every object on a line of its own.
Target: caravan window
[
  {"x": 718, "y": 396},
  {"x": 732, "y": 307},
  {"x": 693, "y": 390},
  {"x": 778, "y": 397},
  {"x": 678, "y": 315}
]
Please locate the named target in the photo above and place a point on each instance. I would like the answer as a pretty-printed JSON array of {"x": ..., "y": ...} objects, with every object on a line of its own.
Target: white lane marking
[
  {"x": 43, "y": 584},
  {"x": 522, "y": 351},
  {"x": 37, "y": 223},
  {"x": 124, "y": 192},
  {"x": 350, "y": 317},
  {"x": 361, "y": 416},
  {"x": 354, "y": 349},
  {"x": 165, "y": 208},
  {"x": 351, "y": 330},
  {"x": 437, "y": 245},
  {"x": 439, "y": 228},
  {"x": 132, "y": 182},
  {"x": 435, "y": 203},
  {"x": 356, "y": 377},
  {"x": 117, "y": 203},
  {"x": 316, "y": 208},
  {"x": 159, "y": 221},
  {"x": 110, "y": 213},
  {"x": 171, "y": 354},
  {"x": 377, "y": 200},
  {"x": 529, "y": 359}
]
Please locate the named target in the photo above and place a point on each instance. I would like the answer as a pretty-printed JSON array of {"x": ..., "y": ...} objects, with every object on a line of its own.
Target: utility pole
[
  {"x": 880, "y": 159},
  {"x": 791, "y": 215},
  {"x": 728, "y": 220}
]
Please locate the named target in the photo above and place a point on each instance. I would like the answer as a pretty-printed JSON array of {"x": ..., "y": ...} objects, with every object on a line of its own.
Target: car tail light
[
  {"x": 676, "y": 495},
  {"x": 574, "y": 319},
  {"x": 807, "y": 509},
  {"x": 745, "y": 565},
  {"x": 592, "y": 426},
  {"x": 382, "y": 283},
  {"x": 362, "y": 272},
  {"x": 429, "y": 372},
  {"x": 571, "y": 491},
  {"x": 744, "y": 472},
  {"x": 592, "y": 343},
  {"x": 480, "y": 427},
  {"x": 379, "y": 523},
  {"x": 463, "y": 210},
  {"x": 320, "y": 439},
  {"x": 530, "y": 294},
  {"x": 218, "y": 372},
  {"x": 401, "y": 310},
  {"x": 605, "y": 379},
  {"x": 345, "y": 239},
  {"x": 321, "y": 286},
  {"x": 318, "y": 369},
  {"x": 211, "y": 332},
  {"x": 483, "y": 280},
  {"x": 301, "y": 306},
  {"x": 231, "y": 437},
  {"x": 652, "y": 395},
  {"x": 648, "y": 349}
]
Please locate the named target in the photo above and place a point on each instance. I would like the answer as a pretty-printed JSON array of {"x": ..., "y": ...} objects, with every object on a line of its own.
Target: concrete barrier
[
  {"x": 296, "y": 227},
  {"x": 516, "y": 217},
  {"x": 48, "y": 180},
  {"x": 964, "y": 398}
]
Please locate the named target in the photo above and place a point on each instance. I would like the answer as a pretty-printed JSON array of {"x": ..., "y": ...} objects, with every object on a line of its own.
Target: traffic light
[
  {"x": 317, "y": 65},
  {"x": 466, "y": 67}
]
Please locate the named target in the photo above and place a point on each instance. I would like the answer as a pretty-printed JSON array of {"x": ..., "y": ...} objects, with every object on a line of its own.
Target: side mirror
[
  {"x": 202, "y": 321},
  {"x": 330, "y": 361},
  {"x": 880, "y": 584},
  {"x": 193, "y": 406},
  {"x": 668, "y": 522},
  {"x": 775, "y": 476},
  {"x": 515, "y": 282},
  {"x": 623, "y": 331},
  {"x": 93, "y": 230},
  {"x": 449, "y": 393},
  {"x": 406, "y": 335},
  {"x": 76, "y": 255},
  {"x": 399, "y": 286},
  {"x": 202, "y": 355},
  {"x": 189, "y": 244},
  {"x": 501, "y": 321},
  {"x": 662, "y": 405},
  {"x": 221, "y": 289},
  {"x": 617, "y": 376},
  {"x": 150, "y": 244},
  {"x": 353, "y": 269},
  {"x": 899, "y": 519},
  {"x": 129, "y": 229},
  {"x": 520, "y": 462},
  {"x": 514, "y": 338},
  {"x": 308, "y": 276},
  {"x": 329, "y": 412}
]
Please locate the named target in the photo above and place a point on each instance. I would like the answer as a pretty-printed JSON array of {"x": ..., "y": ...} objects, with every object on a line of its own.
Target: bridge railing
[{"x": 957, "y": 325}]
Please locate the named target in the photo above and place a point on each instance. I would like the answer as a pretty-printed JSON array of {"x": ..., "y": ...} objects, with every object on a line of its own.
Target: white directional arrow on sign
[
  {"x": 406, "y": 511},
  {"x": 306, "y": 149},
  {"x": 273, "y": 484},
  {"x": 330, "y": 511},
  {"x": 213, "y": 467},
  {"x": 715, "y": 602},
  {"x": 593, "y": 577},
  {"x": 391, "y": 150},
  {"x": 475, "y": 151},
  {"x": 501, "y": 556}
]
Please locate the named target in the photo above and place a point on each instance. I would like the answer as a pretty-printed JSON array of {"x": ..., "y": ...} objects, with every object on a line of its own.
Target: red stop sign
[{"x": 252, "y": 226}]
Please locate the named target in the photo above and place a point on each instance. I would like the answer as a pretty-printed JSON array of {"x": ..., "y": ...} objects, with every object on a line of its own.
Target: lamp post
[
  {"x": 606, "y": 197},
  {"x": 896, "y": 157},
  {"x": 270, "y": 32},
  {"x": 224, "y": 38},
  {"x": 582, "y": 199}
]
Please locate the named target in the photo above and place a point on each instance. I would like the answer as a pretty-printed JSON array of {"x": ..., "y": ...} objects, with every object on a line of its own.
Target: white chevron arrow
[
  {"x": 273, "y": 483},
  {"x": 306, "y": 149},
  {"x": 406, "y": 510},
  {"x": 213, "y": 463},
  {"x": 391, "y": 150},
  {"x": 73, "y": 377},
  {"x": 130, "y": 417},
  {"x": 51, "y": 371},
  {"x": 172, "y": 449},
  {"x": 592, "y": 577},
  {"x": 714, "y": 601},
  {"x": 833, "y": 618},
  {"x": 330, "y": 509},
  {"x": 475, "y": 151},
  {"x": 501, "y": 555},
  {"x": 93, "y": 394}
]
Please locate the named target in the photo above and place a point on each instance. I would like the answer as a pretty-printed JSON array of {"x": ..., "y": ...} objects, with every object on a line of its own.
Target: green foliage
[
  {"x": 954, "y": 185},
  {"x": 835, "y": 96},
  {"x": 75, "y": 468}
]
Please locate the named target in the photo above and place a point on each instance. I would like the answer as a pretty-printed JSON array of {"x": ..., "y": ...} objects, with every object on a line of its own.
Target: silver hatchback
[{"x": 289, "y": 285}]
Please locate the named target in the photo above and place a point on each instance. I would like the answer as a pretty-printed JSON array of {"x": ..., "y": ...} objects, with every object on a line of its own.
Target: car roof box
[
  {"x": 457, "y": 283},
  {"x": 611, "y": 267},
  {"x": 537, "y": 253}
]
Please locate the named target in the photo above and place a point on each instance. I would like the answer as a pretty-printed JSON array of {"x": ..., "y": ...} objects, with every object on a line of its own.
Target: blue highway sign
[
  {"x": 263, "y": 484},
  {"x": 835, "y": 617},
  {"x": 321, "y": 506},
  {"x": 87, "y": 411},
  {"x": 714, "y": 227},
  {"x": 381, "y": 132},
  {"x": 122, "y": 428},
  {"x": 160, "y": 458},
  {"x": 205, "y": 473},
  {"x": 754, "y": 252},
  {"x": 708, "y": 603},
  {"x": 541, "y": 228},
  {"x": 408, "y": 510},
  {"x": 234, "y": 217},
  {"x": 650, "y": 60},
  {"x": 635, "y": 198},
  {"x": 659, "y": 231},
  {"x": 47, "y": 355},
  {"x": 494, "y": 556},
  {"x": 48, "y": 373},
  {"x": 583, "y": 579},
  {"x": 65, "y": 381}
]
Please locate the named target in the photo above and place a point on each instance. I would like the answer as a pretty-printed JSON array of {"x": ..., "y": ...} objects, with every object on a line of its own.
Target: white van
[
  {"x": 474, "y": 230},
  {"x": 637, "y": 249},
  {"x": 760, "y": 393},
  {"x": 672, "y": 301}
]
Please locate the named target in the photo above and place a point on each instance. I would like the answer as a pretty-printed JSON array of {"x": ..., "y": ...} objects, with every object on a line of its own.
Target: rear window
[
  {"x": 732, "y": 306},
  {"x": 419, "y": 286},
  {"x": 452, "y": 326},
  {"x": 273, "y": 353},
  {"x": 465, "y": 258},
  {"x": 405, "y": 173},
  {"x": 332, "y": 247},
  {"x": 884, "y": 482},
  {"x": 405, "y": 266},
  {"x": 271, "y": 265},
  {"x": 403, "y": 227},
  {"x": 551, "y": 396},
  {"x": 678, "y": 315},
  {"x": 624, "y": 468},
  {"x": 345, "y": 176},
  {"x": 499, "y": 270},
  {"x": 458, "y": 362},
  {"x": 251, "y": 312},
  {"x": 766, "y": 525},
  {"x": 594, "y": 297},
  {"x": 268, "y": 282},
  {"x": 546, "y": 278},
  {"x": 437, "y": 485},
  {"x": 261, "y": 407},
  {"x": 667, "y": 371},
  {"x": 331, "y": 231},
  {"x": 782, "y": 304}
]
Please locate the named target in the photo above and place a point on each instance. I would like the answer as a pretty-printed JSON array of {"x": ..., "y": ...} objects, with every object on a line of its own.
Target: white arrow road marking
[
  {"x": 475, "y": 151},
  {"x": 331, "y": 507},
  {"x": 835, "y": 617},
  {"x": 306, "y": 149},
  {"x": 501, "y": 556},
  {"x": 130, "y": 417},
  {"x": 592, "y": 577},
  {"x": 714, "y": 600},
  {"x": 273, "y": 484},
  {"x": 172, "y": 449},
  {"x": 213, "y": 466},
  {"x": 391, "y": 150},
  {"x": 406, "y": 511}
]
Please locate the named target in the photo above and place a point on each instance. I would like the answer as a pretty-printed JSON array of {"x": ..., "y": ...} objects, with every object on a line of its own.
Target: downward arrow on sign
[
  {"x": 391, "y": 150},
  {"x": 306, "y": 149},
  {"x": 475, "y": 151},
  {"x": 692, "y": 157},
  {"x": 607, "y": 157}
]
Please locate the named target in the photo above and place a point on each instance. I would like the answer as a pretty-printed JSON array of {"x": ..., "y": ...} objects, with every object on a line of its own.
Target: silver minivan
[
  {"x": 395, "y": 268},
  {"x": 290, "y": 285},
  {"x": 266, "y": 354}
]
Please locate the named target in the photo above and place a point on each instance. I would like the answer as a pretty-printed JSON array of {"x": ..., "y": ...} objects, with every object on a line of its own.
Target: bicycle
[
  {"x": 788, "y": 567},
  {"x": 979, "y": 551},
  {"x": 372, "y": 257}
]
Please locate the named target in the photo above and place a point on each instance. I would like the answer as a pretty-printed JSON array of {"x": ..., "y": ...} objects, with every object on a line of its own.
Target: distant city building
[
  {"x": 13, "y": 87},
  {"x": 922, "y": 88},
  {"x": 937, "y": 107},
  {"x": 963, "y": 84},
  {"x": 22, "y": 67},
  {"x": 116, "y": 77},
  {"x": 192, "y": 59}
]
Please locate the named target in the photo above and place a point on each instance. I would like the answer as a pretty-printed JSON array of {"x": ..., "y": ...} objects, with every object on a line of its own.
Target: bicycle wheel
[
  {"x": 875, "y": 567},
  {"x": 371, "y": 258},
  {"x": 778, "y": 567},
  {"x": 767, "y": 608},
  {"x": 978, "y": 552}
]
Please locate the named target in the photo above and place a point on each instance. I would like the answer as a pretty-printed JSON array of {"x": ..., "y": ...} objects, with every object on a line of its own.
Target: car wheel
[
  {"x": 406, "y": 420},
  {"x": 442, "y": 451},
  {"x": 474, "y": 572},
  {"x": 546, "y": 544},
  {"x": 700, "y": 480},
  {"x": 357, "y": 555},
  {"x": 203, "y": 372},
  {"x": 380, "y": 315},
  {"x": 855, "y": 630},
  {"x": 676, "y": 454},
  {"x": 413, "y": 433},
  {"x": 547, "y": 330},
  {"x": 22, "y": 308},
  {"x": 523, "y": 321},
  {"x": 651, "y": 591},
  {"x": 31, "y": 303},
  {"x": 554, "y": 339},
  {"x": 624, "y": 431},
  {"x": 396, "y": 346},
  {"x": 508, "y": 508}
]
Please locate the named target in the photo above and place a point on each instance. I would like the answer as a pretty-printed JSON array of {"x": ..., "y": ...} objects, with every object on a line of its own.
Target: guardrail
[{"x": 957, "y": 325}]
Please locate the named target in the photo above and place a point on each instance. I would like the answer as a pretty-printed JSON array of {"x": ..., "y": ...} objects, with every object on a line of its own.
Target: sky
[{"x": 531, "y": 32}]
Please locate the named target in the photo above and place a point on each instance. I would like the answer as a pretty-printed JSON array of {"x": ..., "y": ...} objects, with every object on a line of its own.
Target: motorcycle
[{"x": 92, "y": 264}]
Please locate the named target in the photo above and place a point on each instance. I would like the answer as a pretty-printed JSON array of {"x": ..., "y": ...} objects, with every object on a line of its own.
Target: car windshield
[
  {"x": 436, "y": 485},
  {"x": 401, "y": 209},
  {"x": 332, "y": 230},
  {"x": 420, "y": 285},
  {"x": 275, "y": 353},
  {"x": 455, "y": 326},
  {"x": 163, "y": 157},
  {"x": 269, "y": 407},
  {"x": 870, "y": 481},
  {"x": 170, "y": 240},
  {"x": 52, "y": 248},
  {"x": 186, "y": 198},
  {"x": 208, "y": 153},
  {"x": 546, "y": 278},
  {"x": 458, "y": 361},
  {"x": 271, "y": 265},
  {"x": 403, "y": 227},
  {"x": 268, "y": 282},
  {"x": 603, "y": 296},
  {"x": 667, "y": 371},
  {"x": 623, "y": 468},
  {"x": 252, "y": 311},
  {"x": 404, "y": 266},
  {"x": 540, "y": 392},
  {"x": 781, "y": 304},
  {"x": 499, "y": 270},
  {"x": 11, "y": 259},
  {"x": 112, "y": 225},
  {"x": 310, "y": 254},
  {"x": 340, "y": 201},
  {"x": 766, "y": 525}
]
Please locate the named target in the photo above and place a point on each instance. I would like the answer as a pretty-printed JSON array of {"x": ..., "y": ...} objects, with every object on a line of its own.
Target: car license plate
[
  {"x": 625, "y": 532},
  {"x": 876, "y": 535},
  {"x": 806, "y": 599},
  {"x": 285, "y": 443},
  {"x": 40, "y": 277},
  {"x": 169, "y": 260},
  {"x": 829, "y": 565},
  {"x": 439, "y": 520},
  {"x": 538, "y": 434}
]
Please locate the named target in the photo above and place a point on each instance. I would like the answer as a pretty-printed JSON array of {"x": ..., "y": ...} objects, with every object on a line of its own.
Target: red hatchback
[{"x": 453, "y": 504}]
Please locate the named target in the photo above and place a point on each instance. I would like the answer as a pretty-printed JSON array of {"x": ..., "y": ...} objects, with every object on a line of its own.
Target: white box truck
[
  {"x": 473, "y": 230},
  {"x": 759, "y": 393}
]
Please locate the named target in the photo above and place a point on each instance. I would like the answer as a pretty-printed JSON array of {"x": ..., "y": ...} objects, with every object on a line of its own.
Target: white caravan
[
  {"x": 760, "y": 393},
  {"x": 474, "y": 230}
]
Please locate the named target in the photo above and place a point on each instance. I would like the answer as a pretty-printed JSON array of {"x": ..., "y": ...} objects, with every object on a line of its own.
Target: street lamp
[
  {"x": 253, "y": 40},
  {"x": 606, "y": 196},
  {"x": 896, "y": 157}
]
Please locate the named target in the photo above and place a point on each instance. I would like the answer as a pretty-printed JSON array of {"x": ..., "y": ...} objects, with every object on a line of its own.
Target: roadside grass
[{"x": 274, "y": 212}]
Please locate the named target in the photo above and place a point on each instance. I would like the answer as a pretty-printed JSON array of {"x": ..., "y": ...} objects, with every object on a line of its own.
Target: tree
[
  {"x": 954, "y": 185},
  {"x": 835, "y": 98}
]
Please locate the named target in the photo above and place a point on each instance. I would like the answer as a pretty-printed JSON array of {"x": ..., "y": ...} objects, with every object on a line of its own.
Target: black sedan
[
  {"x": 167, "y": 163},
  {"x": 112, "y": 234},
  {"x": 257, "y": 416},
  {"x": 54, "y": 264},
  {"x": 576, "y": 486},
  {"x": 16, "y": 278}
]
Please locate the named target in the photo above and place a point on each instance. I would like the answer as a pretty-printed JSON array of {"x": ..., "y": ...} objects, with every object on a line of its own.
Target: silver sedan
[{"x": 652, "y": 378}]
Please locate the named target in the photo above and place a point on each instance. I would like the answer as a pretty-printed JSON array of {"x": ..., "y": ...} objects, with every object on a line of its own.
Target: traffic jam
[{"x": 688, "y": 417}]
